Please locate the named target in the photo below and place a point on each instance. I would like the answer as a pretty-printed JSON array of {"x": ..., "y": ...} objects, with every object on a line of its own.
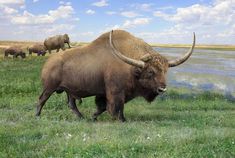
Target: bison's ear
[
  {"x": 137, "y": 72},
  {"x": 146, "y": 57}
]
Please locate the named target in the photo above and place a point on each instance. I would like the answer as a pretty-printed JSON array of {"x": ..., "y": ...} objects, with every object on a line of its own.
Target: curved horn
[
  {"x": 182, "y": 59},
  {"x": 127, "y": 60}
]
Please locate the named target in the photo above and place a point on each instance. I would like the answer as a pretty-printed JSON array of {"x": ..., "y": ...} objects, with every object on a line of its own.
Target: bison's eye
[{"x": 150, "y": 73}]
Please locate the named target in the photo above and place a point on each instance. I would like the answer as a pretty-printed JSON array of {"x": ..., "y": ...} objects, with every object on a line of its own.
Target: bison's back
[{"x": 124, "y": 42}]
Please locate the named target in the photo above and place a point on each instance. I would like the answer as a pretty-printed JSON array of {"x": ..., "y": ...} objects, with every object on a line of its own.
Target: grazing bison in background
[
  {"x": 57, "y": 42},
  {"x": 39, "y": 49},
  {"x": 15, "y": 51},
  {"x": 115, "y": 68}
]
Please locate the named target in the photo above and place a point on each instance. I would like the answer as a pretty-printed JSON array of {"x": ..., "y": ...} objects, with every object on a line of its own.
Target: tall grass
[{"x": 178, "y": 124}]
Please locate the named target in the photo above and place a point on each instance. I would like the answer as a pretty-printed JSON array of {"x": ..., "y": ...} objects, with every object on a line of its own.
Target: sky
[{"x": 155, "y": 21}]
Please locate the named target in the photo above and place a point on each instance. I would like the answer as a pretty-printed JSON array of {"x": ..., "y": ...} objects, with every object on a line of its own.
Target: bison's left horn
[
  {"x": 127, "y": 60},
  {"x": 179, "y": 61}
]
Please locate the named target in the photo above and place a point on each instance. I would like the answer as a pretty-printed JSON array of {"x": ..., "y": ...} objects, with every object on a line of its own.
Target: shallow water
[{"x": 212, "y": 70}]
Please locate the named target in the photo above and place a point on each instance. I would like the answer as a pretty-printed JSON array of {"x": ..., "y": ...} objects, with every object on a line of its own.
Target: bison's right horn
[
  {"x": 127, "y": 60},
  {"x": 182, "y": 59}
]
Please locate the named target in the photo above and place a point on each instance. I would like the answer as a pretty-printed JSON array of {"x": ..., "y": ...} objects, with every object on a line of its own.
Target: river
[{"x": 209, "y": 70}]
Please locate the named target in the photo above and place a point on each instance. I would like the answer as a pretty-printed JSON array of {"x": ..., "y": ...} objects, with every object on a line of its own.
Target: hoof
[
  {"x": 122, "y": 119},
  {"x": 94, "y": 119},
  {"x": 80, "y": 117},
  {"x": 37, "y": 114}
]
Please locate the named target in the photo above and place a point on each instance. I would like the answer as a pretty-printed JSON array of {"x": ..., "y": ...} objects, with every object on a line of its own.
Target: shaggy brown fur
[
  {"x": 94, "y": 71},
  {"x": 57, "y": 42},
  {"x": 15, "y": 51},
  {"x": 39, "y": 49}
]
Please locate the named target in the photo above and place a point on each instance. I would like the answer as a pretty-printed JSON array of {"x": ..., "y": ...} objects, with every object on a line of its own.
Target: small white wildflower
[
  {"x": 232, "y": 142},
  {"x": 158, "y": 135},
  {"x": 67, "y": 136},
  {"x": 148, "y": 138},
  {"x": 84, "y": 137}
]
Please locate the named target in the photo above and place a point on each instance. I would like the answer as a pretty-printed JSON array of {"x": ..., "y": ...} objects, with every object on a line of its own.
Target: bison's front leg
[{"x": 115, "y": 105}]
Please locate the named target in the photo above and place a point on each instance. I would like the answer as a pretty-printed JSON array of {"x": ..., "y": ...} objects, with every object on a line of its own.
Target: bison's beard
[{"x": 150, "y": 96}]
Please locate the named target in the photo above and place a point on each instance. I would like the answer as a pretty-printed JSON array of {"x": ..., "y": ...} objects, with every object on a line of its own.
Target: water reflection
[{"x": 212, "y": 70}]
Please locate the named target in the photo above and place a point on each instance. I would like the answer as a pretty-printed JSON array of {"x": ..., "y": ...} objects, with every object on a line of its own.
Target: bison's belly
[{"x": 83, "y": 87}]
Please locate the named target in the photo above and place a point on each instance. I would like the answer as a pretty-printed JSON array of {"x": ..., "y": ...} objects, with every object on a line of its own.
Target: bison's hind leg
[
  {"x": 42, "y": 100},
  {"x": 73, "y": 106}
]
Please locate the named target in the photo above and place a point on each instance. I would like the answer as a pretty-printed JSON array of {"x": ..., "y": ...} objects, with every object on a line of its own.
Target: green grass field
[{"x": 181, "y": 123}]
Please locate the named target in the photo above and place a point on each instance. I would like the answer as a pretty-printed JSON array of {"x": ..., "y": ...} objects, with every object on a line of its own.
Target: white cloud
[
  {"x": 59, "y": 29},
  {"x": 28, "y": 18},
  {"x": 64, "y": 3},
  {"x": 166, "y": 8},
  {"x": 22, "y": 6},
  {"x": 76, "y": 19},
  {"x": 12, "y": 2},
  {"x": 62, "y": 12},
  {"x": 61, "y": 2},
  {"x": 143, "y": 6},
  {"x": 52, "y": 16},
  {"x": 101, "y": 3},
  {"x": 111, "y": 12},
  {"x": 90, "y": 12},
  {"x": 205, "y": 15},
  {"x": 129, "y": 14},
  {"x": 68, "y": 3},
  {"x": 212, "y": 23},
  {"x": 89, "y": 33},
  {"x": 136, "y": 22},
  {"x": 10, "y": 6},
  {"x": 128, "y": 24},
  {"x": 34, "y": 1},
  {"x": 7, "y": 10}
]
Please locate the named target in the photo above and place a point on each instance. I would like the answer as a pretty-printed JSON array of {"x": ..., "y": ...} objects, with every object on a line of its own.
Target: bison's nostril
[{"x": 161, "y": 89}]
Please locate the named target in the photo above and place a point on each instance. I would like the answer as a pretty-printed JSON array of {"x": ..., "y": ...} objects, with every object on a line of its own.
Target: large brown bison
[
  {"x": 15, "y": 52},
  {"x": 115, "y": 68},
  {"x": 39, "y": 49},
  {"x": 57, "y": 42}
]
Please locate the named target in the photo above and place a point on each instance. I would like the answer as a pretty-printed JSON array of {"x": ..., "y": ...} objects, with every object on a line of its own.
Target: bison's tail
[{"x": 42, "y": 94}]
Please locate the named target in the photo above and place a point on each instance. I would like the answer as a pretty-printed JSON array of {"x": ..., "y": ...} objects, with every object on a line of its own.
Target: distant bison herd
[{"x": 52, "y": 43}]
